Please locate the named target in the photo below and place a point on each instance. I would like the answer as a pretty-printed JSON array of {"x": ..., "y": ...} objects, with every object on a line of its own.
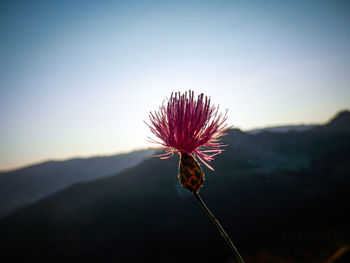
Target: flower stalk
[{"x": 220, "y": 228}]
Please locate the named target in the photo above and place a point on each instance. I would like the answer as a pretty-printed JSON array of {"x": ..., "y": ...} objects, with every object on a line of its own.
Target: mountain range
[
  {"x": 281, "y": 196},
  {"x": 29, "y": 184}
]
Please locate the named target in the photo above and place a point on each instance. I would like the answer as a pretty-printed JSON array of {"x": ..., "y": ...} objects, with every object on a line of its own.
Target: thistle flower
[
  {"x": 189, "y": 126},
  {"x": 192, "y": 128}
]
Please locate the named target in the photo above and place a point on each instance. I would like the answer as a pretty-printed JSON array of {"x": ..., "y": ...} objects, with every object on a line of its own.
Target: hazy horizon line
[{"x": 88, "y": 156}]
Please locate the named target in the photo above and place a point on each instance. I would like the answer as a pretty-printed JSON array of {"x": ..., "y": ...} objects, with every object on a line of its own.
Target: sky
[{"x": 78, "y": 78}]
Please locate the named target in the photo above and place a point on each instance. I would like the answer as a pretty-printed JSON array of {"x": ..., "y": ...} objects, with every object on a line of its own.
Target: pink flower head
[{"x": 187, "y": 125}]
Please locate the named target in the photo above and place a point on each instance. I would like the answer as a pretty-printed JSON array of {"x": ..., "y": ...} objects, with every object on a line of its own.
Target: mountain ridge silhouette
[{"x": 30, "y": 184}]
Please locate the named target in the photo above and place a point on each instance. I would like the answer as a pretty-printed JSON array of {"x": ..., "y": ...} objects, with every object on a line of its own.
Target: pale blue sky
[{"x": 77, "y": 78}]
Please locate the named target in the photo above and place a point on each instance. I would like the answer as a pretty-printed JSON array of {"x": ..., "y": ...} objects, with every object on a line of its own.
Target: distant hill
[
  {"x": 288, "y": 128},
  {"x": 293, "y": 150},
  {"x": 338, "y": 124},
  {"x": 282, "y": 197},
  {"x": 27, "y": 185}
]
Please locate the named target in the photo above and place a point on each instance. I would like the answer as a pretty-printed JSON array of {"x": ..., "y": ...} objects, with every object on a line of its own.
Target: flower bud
[{"x": 191, "y": 176}]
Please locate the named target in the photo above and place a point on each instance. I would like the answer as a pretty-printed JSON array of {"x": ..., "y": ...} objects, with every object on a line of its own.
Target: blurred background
[{"x": 77, "y": 80}]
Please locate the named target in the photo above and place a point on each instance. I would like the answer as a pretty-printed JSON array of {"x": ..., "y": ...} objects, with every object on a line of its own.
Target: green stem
[{"x": 220, "y": 228}]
